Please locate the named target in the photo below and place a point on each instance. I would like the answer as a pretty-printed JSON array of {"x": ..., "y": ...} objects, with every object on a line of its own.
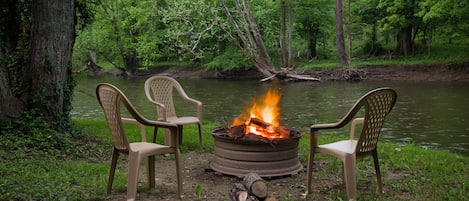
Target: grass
[
  {"x": 440, "y": 54},
  {"x": 418, "y": 173}
]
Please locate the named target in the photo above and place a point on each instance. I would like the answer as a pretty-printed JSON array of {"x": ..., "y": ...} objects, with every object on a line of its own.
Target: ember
[{"x": 262, "y": 117}]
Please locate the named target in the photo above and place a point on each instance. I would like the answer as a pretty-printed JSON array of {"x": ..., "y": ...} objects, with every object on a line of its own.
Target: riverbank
[{"x": 458, "y": 72}]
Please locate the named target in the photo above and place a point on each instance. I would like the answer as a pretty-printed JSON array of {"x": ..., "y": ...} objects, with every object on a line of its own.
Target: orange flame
[{"x": 262, "y": 117}]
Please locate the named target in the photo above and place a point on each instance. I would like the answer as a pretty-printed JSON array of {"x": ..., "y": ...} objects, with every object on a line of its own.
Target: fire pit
[
  {"x": 239, "y": 156},
  {"x": 256, "y": 143}
]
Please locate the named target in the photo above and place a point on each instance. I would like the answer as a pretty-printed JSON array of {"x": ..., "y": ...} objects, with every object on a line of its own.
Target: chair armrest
[
  {"x": 314, "y": 129},
  {"x": 354, "y": 124},
  {"x": 135, "y": 122},
  {"x": 192, "y": 101}
]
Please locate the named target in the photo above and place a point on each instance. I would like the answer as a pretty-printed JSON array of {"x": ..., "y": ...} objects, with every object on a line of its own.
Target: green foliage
[
  {"x": 32, "y": 136},
  {"x": 198, "y": 32},
  {"x": 230, "y": 59}
]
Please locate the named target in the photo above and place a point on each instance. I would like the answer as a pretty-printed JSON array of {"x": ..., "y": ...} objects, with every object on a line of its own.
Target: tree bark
[
  {"x": 11, "y": 105},
  {"x": 340, "y": 42},
  {"x": 52, "y": 32},
  {"x": 283, "y": 48}
]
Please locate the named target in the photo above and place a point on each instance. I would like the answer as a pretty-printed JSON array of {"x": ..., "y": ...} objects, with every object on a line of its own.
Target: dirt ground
[
  {"x": 214, "y": 186},
  {"x": 440, "y": 72}
]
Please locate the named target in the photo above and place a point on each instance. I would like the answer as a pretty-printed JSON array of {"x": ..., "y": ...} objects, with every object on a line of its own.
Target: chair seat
[
  {"x": 339, "y": 148},
  {"x": 145, "y": 147},
  {"x": 183, "y": 120}
]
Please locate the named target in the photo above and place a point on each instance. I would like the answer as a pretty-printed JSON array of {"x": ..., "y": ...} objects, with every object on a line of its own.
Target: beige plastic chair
[
  {"x": 377, "y": 103},
  {"x": 110, "y": 98},
  {"x": 159, "y": 91}
]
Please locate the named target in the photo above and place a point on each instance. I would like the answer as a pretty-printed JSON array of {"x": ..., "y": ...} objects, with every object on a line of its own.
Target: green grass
[
  {"x": 440, "y": 54},
  {"x": 416, "y": 173}
]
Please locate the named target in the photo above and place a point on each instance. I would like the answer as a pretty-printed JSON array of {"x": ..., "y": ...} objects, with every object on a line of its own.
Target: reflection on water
[{"x": 431, "y": 114}]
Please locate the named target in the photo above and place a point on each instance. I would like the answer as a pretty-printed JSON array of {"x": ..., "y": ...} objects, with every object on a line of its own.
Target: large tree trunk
[
  {"x": 52, "y": 32},
  {"x": 38, "y": 80},
  {"x": 340, "y": 42}
]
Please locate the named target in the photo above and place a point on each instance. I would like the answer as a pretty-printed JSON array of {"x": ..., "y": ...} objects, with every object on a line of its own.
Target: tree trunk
[
  {"x": 404, "y": 41},
  {"x": 249, "y": 39},
  {"x": 52, "y": 37},
  {"x": 11, "y": 105},
  {"x": 283, "y": 49},
  {"x": 340, "y": 42},
  {"x": 290, "y": 35},
  {"x": 312, "y": 38},
  {"x": 131, "y": 62},
  {"x": 250, "y": 42},
  {"x": 349, "y": 34}
]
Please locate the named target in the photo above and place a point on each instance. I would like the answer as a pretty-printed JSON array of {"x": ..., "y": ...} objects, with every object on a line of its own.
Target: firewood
[
  {"x": 255, "y": 185},
  {"x": 259, "y": 122},
  {"x": 236, "y": 131},
  {"x": 242, "y": 195}
]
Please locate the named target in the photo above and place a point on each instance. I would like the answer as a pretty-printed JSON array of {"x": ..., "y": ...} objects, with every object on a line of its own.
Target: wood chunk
[{"x": 256, "y": 185}]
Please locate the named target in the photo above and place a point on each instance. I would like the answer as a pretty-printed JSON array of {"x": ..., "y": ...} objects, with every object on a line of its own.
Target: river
[{"x": 433, "y": 115}]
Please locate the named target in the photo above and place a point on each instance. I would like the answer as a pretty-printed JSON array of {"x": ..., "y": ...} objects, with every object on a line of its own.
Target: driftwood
[
  {"x": 284, "y": 76},
  {"x": 253, "y": 188}
]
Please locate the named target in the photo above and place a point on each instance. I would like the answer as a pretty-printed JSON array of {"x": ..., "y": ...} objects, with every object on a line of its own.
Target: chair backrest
[
  {"x": 160, "y": 89},
  {"x": 110, "y": 99},
  {"x": 378, "y": 103}
]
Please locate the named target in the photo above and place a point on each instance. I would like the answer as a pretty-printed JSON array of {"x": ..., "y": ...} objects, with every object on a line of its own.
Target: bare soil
[
  {"x": 215, "y": 186},
  {"x": 458, "y": 72}
]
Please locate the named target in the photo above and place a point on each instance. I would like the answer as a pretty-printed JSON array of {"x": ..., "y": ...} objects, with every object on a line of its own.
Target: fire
[{"x": 262, "y": 117}]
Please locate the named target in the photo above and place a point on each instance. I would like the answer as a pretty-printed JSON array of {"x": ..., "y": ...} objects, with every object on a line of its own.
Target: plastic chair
[
  {"x": 159, "y": 91},
  {"x": 377, "y": 103},
  {"x": 111, "y": 98}
]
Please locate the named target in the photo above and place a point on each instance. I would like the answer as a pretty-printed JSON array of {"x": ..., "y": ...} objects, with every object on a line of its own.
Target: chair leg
[
  {"x": 151, "y": 170},
  {"x": 200, "y": 135},
  {"x": 309, "y": 172},
  {"x": 179, "y": 173},
  {"x": 134, "y": 163},
  {"x": 350, "y": 176},
  {"x": 179, "y": 140},
  {"x": 115, "y": 156},
  {"x": 155, "y": 134},
  {"x": 378, "y": 172}
]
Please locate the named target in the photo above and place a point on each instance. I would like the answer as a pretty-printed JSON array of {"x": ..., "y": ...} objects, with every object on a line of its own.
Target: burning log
[
  {"x": 258, "y": 122},
  {"x": 253, "y": 188}
]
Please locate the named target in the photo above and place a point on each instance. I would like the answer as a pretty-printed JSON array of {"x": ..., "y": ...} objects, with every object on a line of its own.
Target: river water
[{"x": 433, "y": 115}]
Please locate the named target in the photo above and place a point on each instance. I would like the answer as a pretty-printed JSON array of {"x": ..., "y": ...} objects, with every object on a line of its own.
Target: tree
[
  {"x": 340, "y": 42},
  {"x": 401, "y": 18},
  {"x": 250, "y": 42},
  {"x": 314, "y": 19},
  {"x": 36, "y": 75}
]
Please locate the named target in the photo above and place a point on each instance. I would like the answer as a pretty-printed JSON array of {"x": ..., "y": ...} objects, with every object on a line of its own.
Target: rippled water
[{"x": 431, "y": 114}]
